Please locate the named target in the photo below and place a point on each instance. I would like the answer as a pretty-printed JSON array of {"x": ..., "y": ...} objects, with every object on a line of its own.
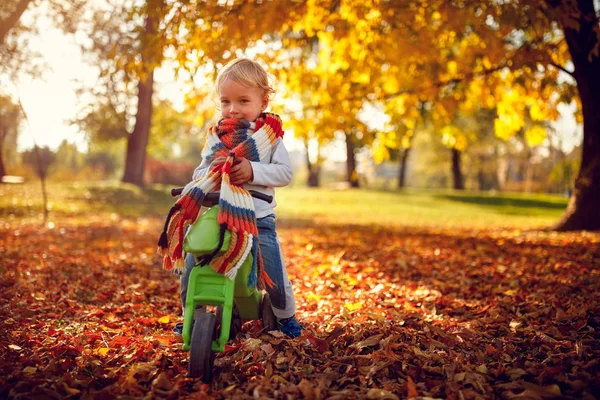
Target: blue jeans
[{"x": 282, "y": 295}]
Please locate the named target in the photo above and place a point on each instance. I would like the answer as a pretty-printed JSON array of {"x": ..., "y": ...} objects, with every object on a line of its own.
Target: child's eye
[
  {"x": 224, "y": 101},
  {"x": 244, "y": 101}
]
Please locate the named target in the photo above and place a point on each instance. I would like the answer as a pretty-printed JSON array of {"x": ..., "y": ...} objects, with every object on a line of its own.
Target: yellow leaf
[
  {"x": 164, "y": 320},
  {"x": 353, "y": 306},
  {"x": 29, "y": 370},
  {"x": 351, "y": 281},
  {"x": 102, "y": 351},
  {"x": 39, "y": 296},
  {"x": 313, "y": 296}
]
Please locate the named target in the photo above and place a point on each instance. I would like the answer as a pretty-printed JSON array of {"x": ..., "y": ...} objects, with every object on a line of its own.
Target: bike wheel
[
  {"x": 268, "y": 318},
  {"x": 201, "y": 355},
  {"x": 236, "y": 321}
]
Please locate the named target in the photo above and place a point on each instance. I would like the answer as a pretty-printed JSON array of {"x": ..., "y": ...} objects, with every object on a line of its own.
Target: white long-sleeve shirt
[{"x": 268, "y": 174}]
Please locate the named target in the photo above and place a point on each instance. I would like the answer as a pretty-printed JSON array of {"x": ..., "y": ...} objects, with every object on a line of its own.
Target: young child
[{"x": 244, "y": 92}]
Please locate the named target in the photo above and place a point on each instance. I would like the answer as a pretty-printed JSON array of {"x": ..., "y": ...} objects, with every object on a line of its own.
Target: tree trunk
[
  {"x": 42, "y": 172},
  {"x": 457, "y": 176},
  {"x": 313, "y": 172},
  {"x": 402, "y": 171},
  {"x": 582, "y": 211},
  {"x": 138, "y": 141},
  {"x": 3, "y": 135},
  {"x": 2, "y": 168},
  {"x": 7, "y": 24},
  {"x": 528, "y": 174},
  {"x": 481, "y": 179},
  {"x": 352, "y": 176}
]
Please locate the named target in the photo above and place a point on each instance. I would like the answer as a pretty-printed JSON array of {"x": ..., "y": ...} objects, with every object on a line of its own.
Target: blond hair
[{"x": 245, "y": 72}]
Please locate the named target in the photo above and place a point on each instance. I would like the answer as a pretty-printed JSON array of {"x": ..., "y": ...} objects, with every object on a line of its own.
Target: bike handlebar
[{"x": 213, "y": 198}]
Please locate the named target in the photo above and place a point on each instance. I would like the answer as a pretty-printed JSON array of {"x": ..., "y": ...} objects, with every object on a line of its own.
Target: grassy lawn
[
  {"x": 79, "y": 200},
  {"x": 420, "y": 207},
  {"x": 298, "y": 205}
]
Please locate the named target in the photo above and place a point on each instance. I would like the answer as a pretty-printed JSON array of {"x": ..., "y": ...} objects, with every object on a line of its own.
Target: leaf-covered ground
[{"x": 85, "y": 312}]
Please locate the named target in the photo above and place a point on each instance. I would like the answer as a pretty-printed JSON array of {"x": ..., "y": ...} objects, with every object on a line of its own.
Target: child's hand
[
  {"x": 217, "y": 161},
  {"x": 241, "y": 172}
]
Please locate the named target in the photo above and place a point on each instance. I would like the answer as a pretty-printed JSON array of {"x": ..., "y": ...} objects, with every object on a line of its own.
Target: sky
[{"x": 51, "y": 101}]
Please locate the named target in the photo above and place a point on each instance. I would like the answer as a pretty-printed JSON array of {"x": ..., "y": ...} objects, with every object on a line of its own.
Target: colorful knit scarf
[{"x": 231, "y": 138}]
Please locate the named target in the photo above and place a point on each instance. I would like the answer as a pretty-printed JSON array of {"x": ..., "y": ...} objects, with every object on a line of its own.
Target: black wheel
[
  {"x": 201, "y": 355},
  {"x": 236, "y": 321},
  {"x": 268, "y": 318}
]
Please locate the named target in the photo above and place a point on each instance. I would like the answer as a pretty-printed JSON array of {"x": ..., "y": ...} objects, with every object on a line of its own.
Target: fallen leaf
[
  {"x": 308, "y": 391},
  {"x": 381, "y": 394},
  {"x": 102, "y": 351},
  {"x": 354, "y": 306},
  {"x": 252, "y": 344},
  {"x": 411, "y": 388},
  {"x": 370, "y": 341}
]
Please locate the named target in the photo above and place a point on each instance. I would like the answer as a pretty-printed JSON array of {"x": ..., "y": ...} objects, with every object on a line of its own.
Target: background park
[{"x": 441, "y": 231}]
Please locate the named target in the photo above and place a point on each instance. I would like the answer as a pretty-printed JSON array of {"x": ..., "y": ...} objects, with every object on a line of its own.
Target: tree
[
  {"x": 452, "y": 52},
  {"x": 129, "y": 43},
  {"x": 15, "y": 55},
  {"x": 10, "y": 124},
  {"x": 40, "y": 159},
  {"x": 582, "y": 34}
]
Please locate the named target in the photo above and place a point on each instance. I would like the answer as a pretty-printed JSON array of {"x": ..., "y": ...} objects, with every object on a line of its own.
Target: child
[{"x": 244, "y": 93}]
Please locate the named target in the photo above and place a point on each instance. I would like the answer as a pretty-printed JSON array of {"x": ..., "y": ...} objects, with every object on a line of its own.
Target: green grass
[
  {"x": 298, "y": 205},
  {"x": 79, "y": 199},
  {"x": 420, "y": 207}
]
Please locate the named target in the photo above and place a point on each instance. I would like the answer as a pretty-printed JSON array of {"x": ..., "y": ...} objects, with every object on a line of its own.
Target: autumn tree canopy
[
  {"x": 446, "y": 61},
  {"x": 458, "y": 58}
]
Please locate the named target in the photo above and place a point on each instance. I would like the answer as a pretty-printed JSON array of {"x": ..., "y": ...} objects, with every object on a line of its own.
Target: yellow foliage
[
  {"x": 510, "y": 118},
  {"x": 535, "y": 135},
  {"x": 379, "y": 151},
  {"x": 406, "y": 140},
  {"x": 536, "y": 112},
  {"x": 452, "y": 68},
  {"x": 453, "y": 137}
]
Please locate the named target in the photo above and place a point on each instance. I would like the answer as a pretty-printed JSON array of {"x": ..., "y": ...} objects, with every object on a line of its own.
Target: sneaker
[
  {"x": 178, "y": 328},
  {"x": 290, "y": 326}
]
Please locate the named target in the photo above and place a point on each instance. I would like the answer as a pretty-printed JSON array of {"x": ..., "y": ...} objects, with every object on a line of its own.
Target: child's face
[{"x": 239, "y": 101}]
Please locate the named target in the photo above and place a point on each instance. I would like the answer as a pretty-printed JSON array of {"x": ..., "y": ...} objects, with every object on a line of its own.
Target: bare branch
[{"x": 563, "y": 69}]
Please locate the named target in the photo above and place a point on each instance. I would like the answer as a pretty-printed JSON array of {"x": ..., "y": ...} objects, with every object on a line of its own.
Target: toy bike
[{"x": 204, "y": 332}]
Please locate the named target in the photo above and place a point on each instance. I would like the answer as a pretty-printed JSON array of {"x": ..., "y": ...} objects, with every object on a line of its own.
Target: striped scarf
[{"x": 229, "y": 139}]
